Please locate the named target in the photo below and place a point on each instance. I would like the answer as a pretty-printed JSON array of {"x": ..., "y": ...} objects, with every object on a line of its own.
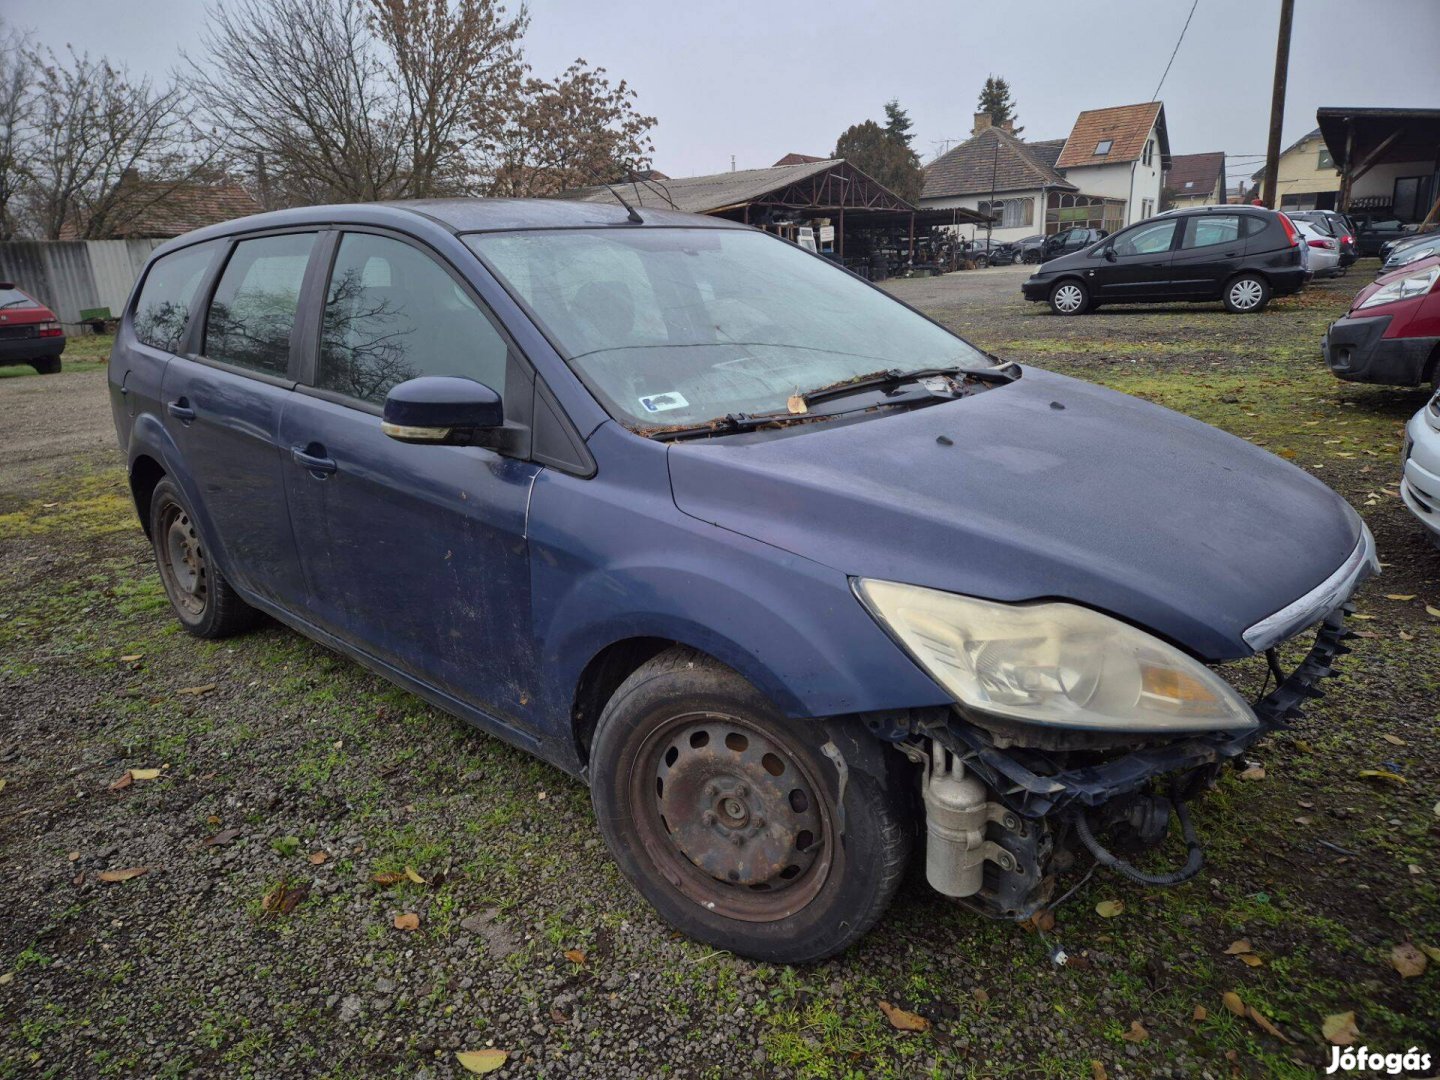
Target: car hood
[{"x": 1047, "y": 487}]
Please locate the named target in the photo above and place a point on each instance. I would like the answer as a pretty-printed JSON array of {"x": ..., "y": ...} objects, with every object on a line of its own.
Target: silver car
[
  {"x": 1420, "y": 485},
  {"x": 1322, "y": 248}
]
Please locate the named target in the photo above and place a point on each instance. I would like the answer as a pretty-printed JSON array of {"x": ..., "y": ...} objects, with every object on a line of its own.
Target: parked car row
[{"x": 1332, "y": 224}]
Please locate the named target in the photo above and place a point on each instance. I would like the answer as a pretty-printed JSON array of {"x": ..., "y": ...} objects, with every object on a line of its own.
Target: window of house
[
  {"x": 1147, "y": 208},
  {"x": 393, "y": 313},
  {"x": 1325, "y": 161},
  {"x": 1103, "y": 147},
  {"x": 1149, "y": 152},
  {"x": 1010, "y": 213},
  {"x": 253, "y": 310},
  {"x": 163, "y": 309}
]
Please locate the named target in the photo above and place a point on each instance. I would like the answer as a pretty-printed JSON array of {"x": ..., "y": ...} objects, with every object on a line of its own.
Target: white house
[{"x": 1107, "y": 174}]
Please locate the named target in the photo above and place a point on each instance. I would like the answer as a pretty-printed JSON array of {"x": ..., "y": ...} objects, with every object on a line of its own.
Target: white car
[
  {"x": 1420, "y": 484},
  {"x": 1324, "y": 249}
]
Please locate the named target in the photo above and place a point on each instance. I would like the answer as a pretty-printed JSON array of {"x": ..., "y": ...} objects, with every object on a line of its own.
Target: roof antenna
[
  {"x": 630, "y": 210},
  {"x": 661, "y": 189}
]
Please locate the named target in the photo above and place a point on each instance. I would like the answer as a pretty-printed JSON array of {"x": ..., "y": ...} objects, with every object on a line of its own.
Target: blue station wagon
[{"x": 792, "y": 576}]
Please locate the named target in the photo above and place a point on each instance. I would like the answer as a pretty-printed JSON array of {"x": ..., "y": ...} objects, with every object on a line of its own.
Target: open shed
[
  {"x": 841, "y": 207},
  {"x": 1388, "y": 159}
]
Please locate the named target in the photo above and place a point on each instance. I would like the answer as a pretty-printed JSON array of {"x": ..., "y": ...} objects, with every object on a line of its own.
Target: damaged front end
[{"x": 1009, "y": 806}]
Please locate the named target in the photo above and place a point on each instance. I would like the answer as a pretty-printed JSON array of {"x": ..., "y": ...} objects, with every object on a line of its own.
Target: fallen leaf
[
  {"x": 1304, "y": 748},
  {"x": 220, "y": 839},
  {"x": 795, "y": 404},
  {"x": 1263, "y": 1024},
  {"x": 72, "y": 857},
  {"x": 1393, "y": 740},
  {"x": 317, "y": 857},
  {"x": 1044, "y": 919},
  {"x": 132, "y": 658},
  {"x": 390, "y": 877},
  {"x": 123, "y": 782},
  {"x": 213, "y": 819},
  {"x": 283, "y": 898},
  {"x": 981, "y": 995},
  {"x": 1303, "y": 820},
  {"x": 198, "y": 690},
  {"x": 8, "y": 977},
  {"x": 1233, "y": 1003},
  {"x": 1108, "y": 909},
  {"x": 1399, "y": 596},
  {"x": 1200, "y": 1013},
  {"x": 1251, "y": 960},
  {"x": 1415, "y": 868},
  {"x": 1366, "y": 617},
  {"x": 1339, "y": 1029},
  {"x": 414, "y": 875},
  {"x": 1432, "y": 610},
  {"x": 1432, "y": 952},
  {"x": 901, "y": 1020},
  {"x": 1237, "y": 947},
  {"x": 1254, "y": 772},
  {"x": 1097, "y": 1070},
  {"x": 1383, "y": 774},
  {"x": 123, "y": 875},
  {"x": 1409, "y": 961},
  {"x": 482, "y": 1061},
  {"x": 575, "y": 956},
  {"x": 145, "y": 774},
  {"x": 407, "y": 921},
  {"x": 1404, "y": 636},
  {"x": 1137, "y": 1032}
]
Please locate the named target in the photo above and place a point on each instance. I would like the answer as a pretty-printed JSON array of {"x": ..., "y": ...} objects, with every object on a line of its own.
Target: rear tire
[
  {"x": 723, "y": 814},
  {"x": 48, "y": 366},
  {"x": 203, "y": 600},
  {"x": 1069, "y": 297},
  {"x": 1246, "y": 294}
]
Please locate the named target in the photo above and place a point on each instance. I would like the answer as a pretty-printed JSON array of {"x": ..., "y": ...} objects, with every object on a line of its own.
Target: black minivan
[{"x": 1241, "y": 255}]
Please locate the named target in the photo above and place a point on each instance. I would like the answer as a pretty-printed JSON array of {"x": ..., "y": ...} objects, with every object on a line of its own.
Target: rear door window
[
  {"x": 252, "y": 313},
  {"x": 1211, "y": 229},
  {"x": 393, "y": 313},
  {"x": 163, "y": 308}
]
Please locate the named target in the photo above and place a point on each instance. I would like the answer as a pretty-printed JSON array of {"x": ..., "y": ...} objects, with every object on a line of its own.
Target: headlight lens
[
  {"x": 1404, "y": 289},
  {"x": 1053, "y": 663}
]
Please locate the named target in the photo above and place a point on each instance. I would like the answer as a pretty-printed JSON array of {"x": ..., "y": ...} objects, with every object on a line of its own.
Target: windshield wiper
[
  {"x": 731, "y": 423},
  {"x": 894, "y": 378}
]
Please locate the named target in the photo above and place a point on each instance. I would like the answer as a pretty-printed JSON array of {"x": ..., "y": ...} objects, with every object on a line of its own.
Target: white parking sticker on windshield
[{"x": 663, "y": 402}]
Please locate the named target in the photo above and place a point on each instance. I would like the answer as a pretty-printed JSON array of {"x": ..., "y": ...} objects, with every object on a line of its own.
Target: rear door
[
  {"x": 1212, "y": 247},
  {"x": 1137, "y": 266},
  {"x": 222, "y": 406},
  {"x": 416, "y": 555}
]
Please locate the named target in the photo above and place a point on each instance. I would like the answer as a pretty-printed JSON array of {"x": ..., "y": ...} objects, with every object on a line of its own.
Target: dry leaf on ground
[
  {"x": 1137, "y": 1032},
  {"x": 1200, "y": 1013},
  {"x": 1383, "y": 774},
  {"x": 1108, "y": 909},
  {"x": 482, "y": 1061},
  {"x": 901, "y": 1020},
  {"x": 414, "y": 875},
  {"x": 1264, "y": 1024},
  {"x": 223, "y": 837},
  {"x": 145, "y": 774},
  {"x": 575, "y": 956},
  {"x": 388, "y": 878},
  {"x": 1339, "y": 1029},
  {"x": 407, "y": 921},
  {"x": 1233, "y": 1003},
  {"x": 1409, "y": 961},
  {"x": 1097, "y": 1070},
  {"x": 1237, "y": 947},
  {"x": 317, "y": 857},
  {"x": 283, "y": 898},
  {"x": 1254, "y": 772},
  {"x": 123, "y": 875},
  {"x": 198, "y": 690}
]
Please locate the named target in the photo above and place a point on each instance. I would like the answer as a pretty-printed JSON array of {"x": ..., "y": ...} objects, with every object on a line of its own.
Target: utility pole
[{"x": 1268, "y": 193}]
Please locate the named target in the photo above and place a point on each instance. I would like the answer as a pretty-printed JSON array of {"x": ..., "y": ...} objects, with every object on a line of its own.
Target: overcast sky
[{"x": 759, "y": 79}]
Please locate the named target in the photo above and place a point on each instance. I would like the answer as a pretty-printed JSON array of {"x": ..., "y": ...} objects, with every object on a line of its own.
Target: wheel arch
[
  {"x": 600, "y": 678},
  {"x": 145, "y": 474}
]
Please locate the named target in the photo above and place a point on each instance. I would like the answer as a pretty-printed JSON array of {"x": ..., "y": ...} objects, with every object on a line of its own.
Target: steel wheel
[
  {"x": 1246, "y": 294},
  {"x": 732, "y": 816},
  {"x": 1068, "y": 298},
  {"x": 182, "y": 561}
]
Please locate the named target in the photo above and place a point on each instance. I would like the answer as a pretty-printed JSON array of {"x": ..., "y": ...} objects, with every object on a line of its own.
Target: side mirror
[
  {"x": 1110, "y": 255},
  {"x": 442, "y": 410}
]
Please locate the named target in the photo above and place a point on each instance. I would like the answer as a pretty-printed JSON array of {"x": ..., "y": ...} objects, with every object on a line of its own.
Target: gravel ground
[{"x": 259, "y": 942}]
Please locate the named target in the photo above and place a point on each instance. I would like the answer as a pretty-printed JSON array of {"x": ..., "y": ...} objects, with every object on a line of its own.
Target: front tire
[
  {"x": 203, "y": 600},
  {"x": 724, "y": 814},
  {"x": 1069, "y": 297},
  {"x": 1246, "y": 294}
]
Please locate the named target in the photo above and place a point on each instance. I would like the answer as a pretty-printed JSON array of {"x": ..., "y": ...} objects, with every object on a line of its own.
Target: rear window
[
  {"x": 14, "y": 298},
  {"x": 163, "y": 310}
]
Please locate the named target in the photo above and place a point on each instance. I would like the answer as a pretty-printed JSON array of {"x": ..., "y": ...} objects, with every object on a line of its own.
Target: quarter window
[
  {"x": 392, "y": 313},
  {"x": 1211, "y": 230},
  {"x": 253, "y": 311},
  {"x": 163, "y": 309}
]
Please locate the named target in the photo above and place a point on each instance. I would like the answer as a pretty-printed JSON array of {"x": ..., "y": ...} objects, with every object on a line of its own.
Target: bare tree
[
  {"x": 570, "y": 133},
  {"x": 457, "y": 71},
  {"x": 14, "y": 114},
  {"x": 299, "y": 84},
  {"x": 93, "y": 133}
]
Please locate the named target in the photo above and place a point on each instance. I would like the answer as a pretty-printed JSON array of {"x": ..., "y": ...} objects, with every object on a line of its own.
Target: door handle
[
  {"x": 181, "y": 410},
  {"x": 315, "y": 463}
]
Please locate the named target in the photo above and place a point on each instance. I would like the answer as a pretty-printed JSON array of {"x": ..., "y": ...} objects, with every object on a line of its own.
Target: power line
[{"x": 1156, "y": 96}]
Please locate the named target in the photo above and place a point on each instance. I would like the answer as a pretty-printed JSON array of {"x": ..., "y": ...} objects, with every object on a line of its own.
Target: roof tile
[{"x": 1126, "y": 126}]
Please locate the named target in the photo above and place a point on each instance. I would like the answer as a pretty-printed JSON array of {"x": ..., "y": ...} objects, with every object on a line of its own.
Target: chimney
[
  {"x": 982, "y": 121},
  {"x": 1007, "y": 126}
]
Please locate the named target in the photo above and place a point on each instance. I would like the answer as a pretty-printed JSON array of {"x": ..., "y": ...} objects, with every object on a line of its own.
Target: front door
[
  {"x": 1135, "y": 264},
  {"x": 416, "y": 555},
  {"x": 222, "y": 408},
  {"x": 1211, "y": 248}
]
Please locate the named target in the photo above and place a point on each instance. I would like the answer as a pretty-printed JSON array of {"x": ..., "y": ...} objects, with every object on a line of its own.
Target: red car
[
  {"x": 1391, "y": 334},
  {"x": 29, "y": 331}
]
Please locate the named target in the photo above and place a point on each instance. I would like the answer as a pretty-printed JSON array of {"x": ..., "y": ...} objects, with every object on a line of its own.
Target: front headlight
[
  {"x": 1052, "y": 663},
  {"x": 1404, "y": 289}
]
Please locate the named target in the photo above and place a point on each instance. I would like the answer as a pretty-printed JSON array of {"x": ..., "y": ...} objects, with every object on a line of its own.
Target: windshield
[{"x": 674, "y": 327}]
